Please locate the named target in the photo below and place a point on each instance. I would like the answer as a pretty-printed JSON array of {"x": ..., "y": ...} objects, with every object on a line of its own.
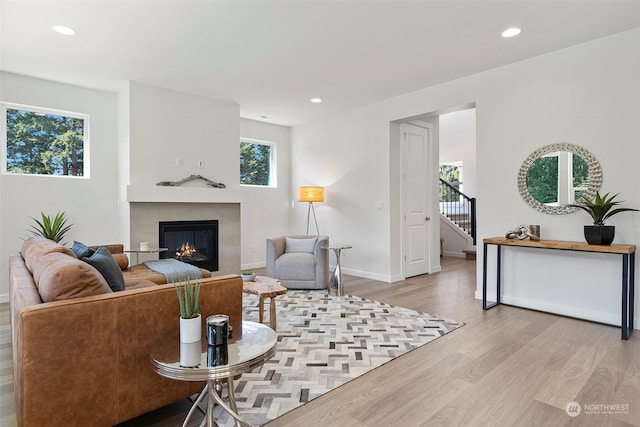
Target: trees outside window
[
  {"x": 257, "y": 164},
  {"x": 452, "y": 174},
  {"x": 547, "y": 172},
  {"x": 44, "y": 142}
]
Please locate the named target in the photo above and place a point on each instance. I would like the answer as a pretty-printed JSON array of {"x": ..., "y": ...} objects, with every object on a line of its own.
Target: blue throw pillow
[
  {"x": 81, "y": 250},
  {"x": 102, "y": 261}
]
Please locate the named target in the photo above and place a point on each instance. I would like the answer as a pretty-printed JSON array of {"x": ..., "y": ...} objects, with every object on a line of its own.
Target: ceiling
[{"x": 272, "y": 57}]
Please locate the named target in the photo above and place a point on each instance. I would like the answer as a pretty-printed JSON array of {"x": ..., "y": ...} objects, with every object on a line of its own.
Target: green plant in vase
[
  {"x": 189, "y": 299},
  {"x": 600, "y": 208},
  {"x": 189, "y": 306},
  {"x": 51, "y": 228},
  {"x": 248, "y": 276}
]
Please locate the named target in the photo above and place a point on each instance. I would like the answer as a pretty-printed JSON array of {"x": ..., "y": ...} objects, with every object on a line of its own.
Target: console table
[{"x": 628, "y": 253}]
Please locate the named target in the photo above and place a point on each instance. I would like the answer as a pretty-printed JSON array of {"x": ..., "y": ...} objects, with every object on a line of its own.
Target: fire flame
[{"x": 186, "y": 250}]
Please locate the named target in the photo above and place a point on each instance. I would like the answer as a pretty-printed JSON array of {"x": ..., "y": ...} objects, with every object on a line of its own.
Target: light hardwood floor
[{"x": 506, "y": 367}]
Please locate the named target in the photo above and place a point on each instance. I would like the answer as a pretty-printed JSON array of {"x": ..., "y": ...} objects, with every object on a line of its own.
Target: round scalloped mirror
[{"x": 557, "y": 175}]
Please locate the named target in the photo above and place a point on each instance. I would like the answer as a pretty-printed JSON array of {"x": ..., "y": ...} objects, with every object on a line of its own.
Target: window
[
  {"x": 257, "y": 163},
  {"x": 39, "y": 141},
  {"x": 452, "y": 174}
]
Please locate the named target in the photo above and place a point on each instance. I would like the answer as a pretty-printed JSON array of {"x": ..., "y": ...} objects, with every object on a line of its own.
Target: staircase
[{"x": 459, "y": 208}]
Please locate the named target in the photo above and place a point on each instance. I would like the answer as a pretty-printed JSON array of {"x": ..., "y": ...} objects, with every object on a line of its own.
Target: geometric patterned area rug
[{"x": 323, "y": 342}]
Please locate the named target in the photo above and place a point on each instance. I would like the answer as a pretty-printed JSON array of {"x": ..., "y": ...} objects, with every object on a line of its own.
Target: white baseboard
[
  {"x": 367, "y": 275},
  {"x": 380, "y": 277},
  {"x": 4, "y": 298},
  {"x": 455, "y": 254},
  {"x": 253, "y": 265},
  {"x": 561, "y": 309}
]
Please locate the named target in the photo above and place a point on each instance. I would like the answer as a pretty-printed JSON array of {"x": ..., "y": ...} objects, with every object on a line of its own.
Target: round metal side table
[
  {"x": 217, "y": 365},
  {"x": 335, "y": 282}
]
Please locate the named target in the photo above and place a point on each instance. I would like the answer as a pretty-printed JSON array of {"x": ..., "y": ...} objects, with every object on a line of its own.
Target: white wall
[
  {"x": 266, "y": 211},
  {"x": 348, "y": 155},
  {"x": 91, "y": 203},
  {"x": 166, "y": 125},
  {"x": 458, "y": 143},
  {"x": 586, "y": 94}
]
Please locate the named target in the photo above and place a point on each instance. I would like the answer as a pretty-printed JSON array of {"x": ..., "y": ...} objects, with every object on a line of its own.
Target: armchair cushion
[
  {"x": 300, "y": 245},
  {"x": 296, "y": 266}
]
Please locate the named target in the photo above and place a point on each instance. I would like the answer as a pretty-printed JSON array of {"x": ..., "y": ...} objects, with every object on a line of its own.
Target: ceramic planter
[
  {"x": 190, "y": 354},
  {"x": 599, "y": 234},
  {"x": 190, "y": 329}
]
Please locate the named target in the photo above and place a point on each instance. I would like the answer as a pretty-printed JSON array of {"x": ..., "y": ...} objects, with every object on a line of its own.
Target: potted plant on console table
[
  {"x": 190, "y": 323},
  {"x": 600, "y": 209}
]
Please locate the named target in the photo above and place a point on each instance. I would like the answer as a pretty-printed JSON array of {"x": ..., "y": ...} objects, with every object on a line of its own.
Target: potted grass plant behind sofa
[
  {"x": 51, "y": 228},
  {"x": 600, "y": 208}
]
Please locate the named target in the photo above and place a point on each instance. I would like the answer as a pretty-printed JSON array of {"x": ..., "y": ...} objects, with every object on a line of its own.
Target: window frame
[
  {"x": 4, "y": 106},
  {"x": 273, "y": 162}
]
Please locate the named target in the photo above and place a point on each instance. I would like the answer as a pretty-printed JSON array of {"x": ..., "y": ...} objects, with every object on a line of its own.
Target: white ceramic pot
[
  {"x": 190, "y": 354},
  {"x": 190, "y": 329},
  {"x": 248, "y": 277}
]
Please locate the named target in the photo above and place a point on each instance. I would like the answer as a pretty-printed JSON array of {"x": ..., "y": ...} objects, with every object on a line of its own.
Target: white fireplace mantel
[{"x": 161, "y": 194}]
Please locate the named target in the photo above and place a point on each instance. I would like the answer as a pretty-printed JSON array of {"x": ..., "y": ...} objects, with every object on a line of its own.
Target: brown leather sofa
[{"x": 84, "y": 360}]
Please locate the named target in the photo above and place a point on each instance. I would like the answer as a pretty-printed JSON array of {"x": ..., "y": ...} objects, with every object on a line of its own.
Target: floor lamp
[{"x": 310, "y": 195}]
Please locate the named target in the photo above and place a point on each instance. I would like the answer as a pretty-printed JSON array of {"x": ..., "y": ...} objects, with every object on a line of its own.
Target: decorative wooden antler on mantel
[{"x": 191, "y": 178}]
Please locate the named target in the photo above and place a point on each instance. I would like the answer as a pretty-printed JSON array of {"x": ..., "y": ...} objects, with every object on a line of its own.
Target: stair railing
[{"x": 459, "y": 208}]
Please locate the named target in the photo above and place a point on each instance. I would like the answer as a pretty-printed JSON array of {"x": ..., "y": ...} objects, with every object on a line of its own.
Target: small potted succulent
[
  {"x": 189, "y": 302},
  {"x": 600, "y": 208},
  {"x": 248, "y": 276}
]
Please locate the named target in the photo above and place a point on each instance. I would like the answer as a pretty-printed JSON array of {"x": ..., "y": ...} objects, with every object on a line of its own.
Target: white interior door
[{"x": 416, "y": 201}]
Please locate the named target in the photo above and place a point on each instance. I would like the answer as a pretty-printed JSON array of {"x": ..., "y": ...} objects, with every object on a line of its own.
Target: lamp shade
[{"x": 310, "y": 194}]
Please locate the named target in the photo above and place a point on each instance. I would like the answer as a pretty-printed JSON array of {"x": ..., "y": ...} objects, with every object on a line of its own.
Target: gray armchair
[{"x": 298, "y": 261}]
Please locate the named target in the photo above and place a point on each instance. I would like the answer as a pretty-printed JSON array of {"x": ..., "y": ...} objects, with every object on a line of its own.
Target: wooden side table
[{"x": 265, "y": 287}]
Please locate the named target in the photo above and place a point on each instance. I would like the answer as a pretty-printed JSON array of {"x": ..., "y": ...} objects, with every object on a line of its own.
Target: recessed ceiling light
[
  {"x": 64, "y": 30},
  {"x": 316, "y": 100},
  {"x": 511, "y": 32}
]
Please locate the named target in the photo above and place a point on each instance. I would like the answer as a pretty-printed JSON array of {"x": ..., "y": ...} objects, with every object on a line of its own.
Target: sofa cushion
[
  {"x": 81, "y": 250},
  {"x": 122, "y": 260},
  {"x": 300, "y": 245},
  {"x": 35, "y": 247},
  {"x": 107, "y": 266},
  {"x": 61, "y": 277}
]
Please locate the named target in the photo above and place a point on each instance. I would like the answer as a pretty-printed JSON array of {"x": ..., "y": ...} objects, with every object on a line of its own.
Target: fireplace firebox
[{"x": 193, "y": 242}]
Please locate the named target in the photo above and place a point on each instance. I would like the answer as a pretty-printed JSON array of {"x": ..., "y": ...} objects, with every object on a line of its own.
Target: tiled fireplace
[
  {"x": 146, "y": 217},
  {"x": 193, "y": 242}
]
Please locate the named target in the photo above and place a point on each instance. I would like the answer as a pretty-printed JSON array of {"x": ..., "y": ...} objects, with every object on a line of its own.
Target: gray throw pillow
[
  {"x": 102, "y": 261},
  {"x": 300, "y": 245}
]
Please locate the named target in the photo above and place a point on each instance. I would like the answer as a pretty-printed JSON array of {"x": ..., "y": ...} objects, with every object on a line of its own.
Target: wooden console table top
[{"x": 561, "y": 244}]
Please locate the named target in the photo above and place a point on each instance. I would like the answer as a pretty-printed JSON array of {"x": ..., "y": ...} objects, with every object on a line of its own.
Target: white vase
[
  {"x": 190, "y": 329},
  {"x": 190, "y": 354}
]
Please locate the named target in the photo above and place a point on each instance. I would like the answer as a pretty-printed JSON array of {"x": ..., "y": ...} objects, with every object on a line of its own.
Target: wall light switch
[
  {"x": 200, "y": 164},
  {"x": 379, "y": 205},
  {"x": 179, "y": 162}
]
